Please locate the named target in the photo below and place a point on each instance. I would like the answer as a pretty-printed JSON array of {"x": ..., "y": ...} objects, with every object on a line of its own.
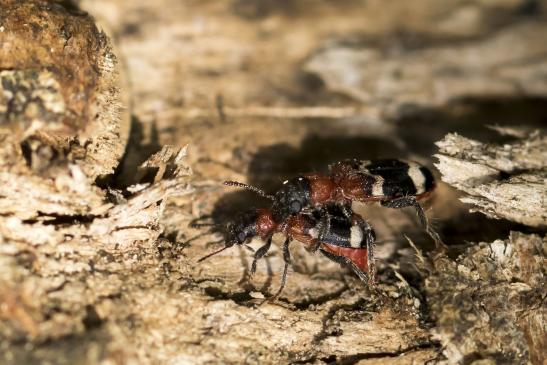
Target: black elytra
[{"x": 397, "y": 181}]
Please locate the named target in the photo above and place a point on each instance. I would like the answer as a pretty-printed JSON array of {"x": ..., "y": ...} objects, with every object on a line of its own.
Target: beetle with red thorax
[
  {"x": 393, "y": 183},
  {"x": 315, "y": 209},
  {"x": 349, "y": 242}
]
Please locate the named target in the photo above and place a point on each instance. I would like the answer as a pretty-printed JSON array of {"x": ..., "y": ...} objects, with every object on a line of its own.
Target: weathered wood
[
  {"x": 503, "y": 181},
  {"x": 60, "y": 90},
  {"x": 489, "y": 303},
  {"x": 104, "y": 271}
]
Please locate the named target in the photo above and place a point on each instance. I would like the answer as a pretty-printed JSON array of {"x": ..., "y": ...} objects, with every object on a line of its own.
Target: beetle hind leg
[{"x": 410, "y": 201}]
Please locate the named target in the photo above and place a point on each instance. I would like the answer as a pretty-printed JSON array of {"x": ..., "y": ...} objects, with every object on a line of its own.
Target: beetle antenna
[
  {"x": 212, "y": 254},
  {"x": 254, "y": 189}
]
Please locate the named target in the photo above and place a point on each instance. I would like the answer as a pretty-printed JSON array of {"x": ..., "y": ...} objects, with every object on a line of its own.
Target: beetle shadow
[
  {"x": 271, "y": 165},
  {"x": 234, "y": 203}
]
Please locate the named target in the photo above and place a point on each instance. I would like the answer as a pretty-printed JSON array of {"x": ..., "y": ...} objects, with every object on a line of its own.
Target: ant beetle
[
  {"x": 394, "y": 183},
  {"x": 349, "y": 242}
]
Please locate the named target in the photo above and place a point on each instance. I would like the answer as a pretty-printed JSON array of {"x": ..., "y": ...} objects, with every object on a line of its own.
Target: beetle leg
[
  {"x": 315, "y": 246},
  {"x": 262, "y": 250},
  {"x": 409, "y": 201},
  {"x": 371, "y": 261},
  {"x": 346, "y": 210},
  {"x": 287, "y": 259},
  {"x": 370, "y": 242},
  {"x": 324, "y": 222},
  {"x": 323, "y": 227}
]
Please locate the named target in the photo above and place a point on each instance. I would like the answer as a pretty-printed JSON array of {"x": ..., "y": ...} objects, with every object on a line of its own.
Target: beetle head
[{"x": 291, "y": 199}]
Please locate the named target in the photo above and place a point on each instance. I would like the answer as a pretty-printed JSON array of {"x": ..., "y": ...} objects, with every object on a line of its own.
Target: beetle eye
[
  {"x": 241, "y": 236},
  {"x": 295, "y": 206}
]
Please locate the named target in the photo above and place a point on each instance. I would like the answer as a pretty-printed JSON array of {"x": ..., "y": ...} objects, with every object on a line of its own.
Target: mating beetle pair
[{"x": 315, "y": 209}]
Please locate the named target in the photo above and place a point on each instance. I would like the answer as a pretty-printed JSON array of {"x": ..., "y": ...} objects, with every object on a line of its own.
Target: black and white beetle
[
  {"x": 315, "y": 209},
  {"x": 394, "y": 183},
  {"x": 347, "y": 241}
]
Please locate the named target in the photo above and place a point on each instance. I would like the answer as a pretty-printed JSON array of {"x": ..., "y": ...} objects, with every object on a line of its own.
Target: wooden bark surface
[
  {"x": 101, "y": 267},
  {"x": 61, "y": 90},
  {"x": 503, "y": 181}
]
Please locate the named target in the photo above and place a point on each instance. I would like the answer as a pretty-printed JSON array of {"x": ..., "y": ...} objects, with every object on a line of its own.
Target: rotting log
[{"x": 92, "y": 274}]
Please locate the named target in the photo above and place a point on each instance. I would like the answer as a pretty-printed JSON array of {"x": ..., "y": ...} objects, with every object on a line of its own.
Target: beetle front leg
[
  {"x": 287, "y": 260},
  {"x": 262, "y": 250}
]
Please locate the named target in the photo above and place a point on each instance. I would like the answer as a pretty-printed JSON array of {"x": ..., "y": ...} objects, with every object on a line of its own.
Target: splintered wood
[{"x": 502, "y": 181}]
